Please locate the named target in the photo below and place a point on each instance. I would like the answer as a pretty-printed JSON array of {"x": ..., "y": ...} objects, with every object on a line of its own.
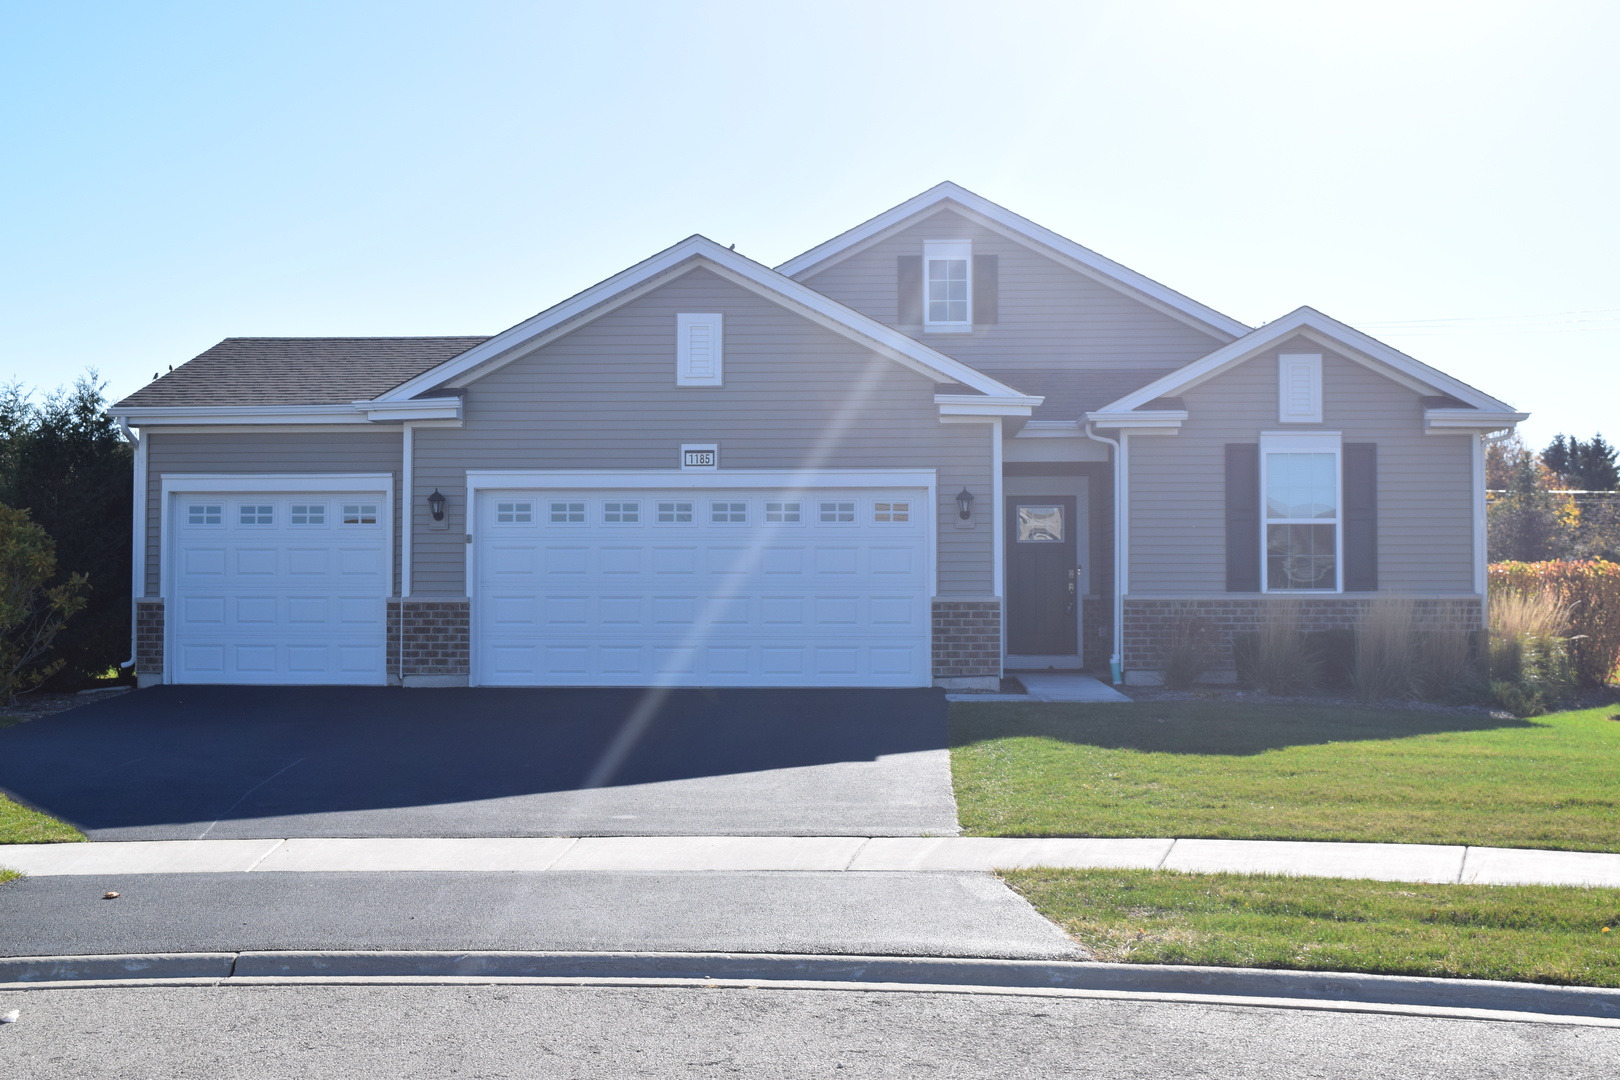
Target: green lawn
[
  {"x": 20, "y": 825},
  {"x": 1301, "y": 772},
  {"x": 1520, "y": 933}
]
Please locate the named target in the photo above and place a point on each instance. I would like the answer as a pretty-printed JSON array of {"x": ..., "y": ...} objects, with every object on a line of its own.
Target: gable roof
[
  {"x": 297, "y": 371},
  {"x": 999, "y": 219},
  {"x": 1069, "y": 395},
  {"x": 1332, "y": 334},
  {"x": 696, "y": 251}
]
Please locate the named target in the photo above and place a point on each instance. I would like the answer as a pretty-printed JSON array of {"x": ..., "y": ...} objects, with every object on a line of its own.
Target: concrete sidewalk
[{"x": 677, "y": 854}]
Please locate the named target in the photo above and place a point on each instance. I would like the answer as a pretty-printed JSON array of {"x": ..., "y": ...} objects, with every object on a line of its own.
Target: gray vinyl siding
[
  {"x": 237, "y": 451},
  {"x": 1425, "y": 482},
  {"x": 1050, "y": 316},
  {"x": 795, "y": 395}
]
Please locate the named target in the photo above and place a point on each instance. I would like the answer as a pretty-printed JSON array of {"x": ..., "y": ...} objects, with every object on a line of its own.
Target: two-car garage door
[{"x": 711, "y": 587}]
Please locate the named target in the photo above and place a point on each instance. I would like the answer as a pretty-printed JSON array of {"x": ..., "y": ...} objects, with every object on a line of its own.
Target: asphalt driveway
[{"x": 232, "y": 762}]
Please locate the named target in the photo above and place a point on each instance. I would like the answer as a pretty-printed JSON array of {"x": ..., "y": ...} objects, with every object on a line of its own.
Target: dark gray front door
[{"x": 1042, "y": 576}]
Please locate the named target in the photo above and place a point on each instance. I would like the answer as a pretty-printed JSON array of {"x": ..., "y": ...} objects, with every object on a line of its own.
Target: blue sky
[{"x": 1443, "y": 175}]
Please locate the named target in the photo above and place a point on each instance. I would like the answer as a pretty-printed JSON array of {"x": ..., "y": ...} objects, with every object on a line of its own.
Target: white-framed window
[
  {"x": 947, "y": 285},
  {"x": 891, "y": 513},
  {"x": 621, "y": 513},
  {"x": 256, "y": 514},
  {"x": 204, "y": 514},
  {"x": 1299, "y": 388},
  {"x": 568, "y": 513},
  {"x": 838, "y": 513},
  {"x": 514, "y": 513},
  {"x": 675, "y": 512},
  {"x": 699, "y": 340},
  {"x": 359, "y": 513},
  {"x": 308, "y": 514},
  {"x": 784, "y": 513},
  {"x": 728, "y": 513},
  {"x": 1301, "y": 520}
]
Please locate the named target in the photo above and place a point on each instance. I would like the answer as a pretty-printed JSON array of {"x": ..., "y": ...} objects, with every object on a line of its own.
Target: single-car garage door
[
  {"x": 715, "y": 587},
  {"x": 279, "y": 588}
]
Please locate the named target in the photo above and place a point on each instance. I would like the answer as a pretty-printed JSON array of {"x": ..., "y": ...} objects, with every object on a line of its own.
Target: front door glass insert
[{"x": 1040, "y": 524}]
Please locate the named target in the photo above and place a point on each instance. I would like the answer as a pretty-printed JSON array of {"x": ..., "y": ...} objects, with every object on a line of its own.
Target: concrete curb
[{"x": 1499, "y": 1000}]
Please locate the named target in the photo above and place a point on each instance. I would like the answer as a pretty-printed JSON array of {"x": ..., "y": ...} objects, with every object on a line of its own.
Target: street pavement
[
  {"x": 907, "y": 914},
  {"x": 178, "y": 762},
  {"x": 388, "y": 1032}
]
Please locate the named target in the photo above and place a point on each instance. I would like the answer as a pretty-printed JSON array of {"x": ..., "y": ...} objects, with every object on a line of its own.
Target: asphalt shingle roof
[{"x": 298, "y": 371}]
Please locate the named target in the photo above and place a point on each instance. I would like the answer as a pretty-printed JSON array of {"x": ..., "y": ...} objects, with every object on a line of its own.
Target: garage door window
[
  {"x": 728, "y": 513},
  {"x": 568, "y": 513},
  {"x": 621, "y": 513},
  {"x": 515, "y": 513},
  {"x": 784, "y": 513},
  {"x": 204, "y": 515},
  {"x": 838, "y": 513},
  {"x": 308, "y": 514},
  {"x": 674, "y": 513},
  {"x": 359, "y": 513},
  {"x": 891, "y": 513},
  {"x": 257, "y": 514}
]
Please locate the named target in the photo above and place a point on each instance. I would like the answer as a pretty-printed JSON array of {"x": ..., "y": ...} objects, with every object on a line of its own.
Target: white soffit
[
  {"x": 649, "y": 274},
  {"x": 1020, "y": 229}
]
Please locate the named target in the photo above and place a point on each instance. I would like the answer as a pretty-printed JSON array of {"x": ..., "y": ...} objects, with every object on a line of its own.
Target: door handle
[{"x": 1068, "y": 608}]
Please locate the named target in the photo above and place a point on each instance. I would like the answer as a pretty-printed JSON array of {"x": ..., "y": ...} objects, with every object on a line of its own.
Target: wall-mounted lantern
[
  {"x": 964, "y": 504},
  {"x": 436, "y": 505}
]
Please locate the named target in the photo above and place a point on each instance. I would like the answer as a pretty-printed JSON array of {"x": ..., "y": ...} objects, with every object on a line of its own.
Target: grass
[
  {"x": 20, "y": 825},
  {"x": 9, "y": 875},
  {"x": 1521, "y": 933},
  {"x": 1293, "y": 772}
]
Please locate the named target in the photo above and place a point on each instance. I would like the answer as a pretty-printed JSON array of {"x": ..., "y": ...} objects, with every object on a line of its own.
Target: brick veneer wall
[
  {"x": 967, "y": 639},
  {"x": 1147, "y": 622},
  {"x": 436, "y": 634},
  {"x": 149, "y": 637}
]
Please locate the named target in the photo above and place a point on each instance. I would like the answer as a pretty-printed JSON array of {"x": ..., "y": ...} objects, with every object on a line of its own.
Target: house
[{"x": 944, "y": 444}]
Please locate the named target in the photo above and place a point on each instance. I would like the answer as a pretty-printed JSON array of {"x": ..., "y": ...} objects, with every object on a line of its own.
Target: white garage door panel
[
  {"x": 568, "y": 597},
  {"x": 293, "y": 591}
]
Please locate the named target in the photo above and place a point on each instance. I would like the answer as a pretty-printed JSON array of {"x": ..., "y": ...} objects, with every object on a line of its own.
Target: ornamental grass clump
[
  {"x": 1191, "y": 649},
  {"x": 1385, "y": 661},
  {"x": 1279, "y": 658},
  {"x": 1529, "y": 657},
  {"x": 1448, "y": 666},
  {"x": 1589, "y": 593}
]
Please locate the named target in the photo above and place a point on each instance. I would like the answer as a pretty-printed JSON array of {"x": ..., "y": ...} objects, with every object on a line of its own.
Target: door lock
[{"x": 1068, "y": 608}]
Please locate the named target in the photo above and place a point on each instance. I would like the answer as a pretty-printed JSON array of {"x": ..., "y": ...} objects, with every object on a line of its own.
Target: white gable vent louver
[
  {"x": 1299, "y": 388},
  {"x": 698, "y": 351}
]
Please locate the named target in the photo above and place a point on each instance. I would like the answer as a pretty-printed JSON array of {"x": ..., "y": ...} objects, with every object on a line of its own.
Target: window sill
[{"x": 947, "y": 328}]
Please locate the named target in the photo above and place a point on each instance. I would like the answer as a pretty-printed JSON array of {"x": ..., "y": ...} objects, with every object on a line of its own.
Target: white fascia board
[
  {"x": 1325, "y": 331},
  {"x": 986, "y": 405},
  {"x": 1135, "y": 421},
  {"x": 694, "y": 251},
  {"x": 148, "y": 416},
  {"x": 203, "y": 483},
  {"x": 1051, "y": 429},
  {"x": 775, "y": 479},
  {"x": 445, "y": 408},
  {"x": 1474, "y": 420},
  {"x": 1000, "y": 219}
]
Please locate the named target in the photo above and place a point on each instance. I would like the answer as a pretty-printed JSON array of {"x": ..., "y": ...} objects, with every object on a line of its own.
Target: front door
[{"x": 1043, "y": 586}]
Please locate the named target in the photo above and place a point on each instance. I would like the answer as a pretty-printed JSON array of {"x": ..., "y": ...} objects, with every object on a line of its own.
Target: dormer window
[{"x": 947, "y": 285}]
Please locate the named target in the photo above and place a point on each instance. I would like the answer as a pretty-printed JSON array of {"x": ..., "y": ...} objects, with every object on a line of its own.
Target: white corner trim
[
  {"x": 778, "y": 479},
  {"x": 1481, "y": 556},
  {"x": 691, "y": 252},
  {"x": 407, "y": 484},
  {"x": 1326, "y": 331},
  {"x": 986, "y": 404},
  {"x": 1015, "y": 227}
]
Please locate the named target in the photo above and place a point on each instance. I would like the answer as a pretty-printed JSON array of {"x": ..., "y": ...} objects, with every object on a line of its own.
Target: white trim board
[
  {"x": 780, "y": 479},
  {"x": 693, "y": 252},
  {"x": 999, "y": 219}
]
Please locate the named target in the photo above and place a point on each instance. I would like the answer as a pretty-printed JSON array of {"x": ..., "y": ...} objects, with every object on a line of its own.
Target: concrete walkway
[
  {"x": 676, "y": 854},
  {"x": 1053, "y": 686}
]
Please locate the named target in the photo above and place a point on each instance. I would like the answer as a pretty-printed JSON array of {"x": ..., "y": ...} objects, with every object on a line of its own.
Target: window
[
  {"x": 308, "y": 514},
  {"x": 257, "y": 514},
  {"x": 1299, "y": 388},
  {"x": 698, "y": 353},
  {"x": 359, "y": 513},
  {"x": 621, "y": 513},
  {"x": 205, "y": 514},
  {"x": 568, "y": 513},
  {"x": 1040, "y": 524},
  {"x": 674, "y": 513},
  {"x": 1299, "y": 477},
  {"x": 891, "y": 512},
  {"x": 947, "y": 303},
  {"x": 838, "y": 513},
  {"x": 515, "y": 513},
  {"x": 786, "y": 513},
  {"x": 728, "y": 513}
]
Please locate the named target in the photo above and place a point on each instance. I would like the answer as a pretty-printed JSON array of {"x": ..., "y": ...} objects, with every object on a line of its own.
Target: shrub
[
  {"x": 32, "y": 612},
  {"x": 1279, "y": 658},
  {"x": 1529, "y": 659},
  {"x": 1448, "y": 666},
  {"x": 1385, "y": 664},
  {"x": 1191, "y": 649},
  {"x": 1589, "y": 594}
]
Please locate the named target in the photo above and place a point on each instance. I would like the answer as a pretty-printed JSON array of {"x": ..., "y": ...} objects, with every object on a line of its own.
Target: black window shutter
[
  {"x": 986, "y": 288},
  {"x": 1242, "y": 517},
  {"x": 908, "y": 280},
  {"x": 1361, "y": 517}
]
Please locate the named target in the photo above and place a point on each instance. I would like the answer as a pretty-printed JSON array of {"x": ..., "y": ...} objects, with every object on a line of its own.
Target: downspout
[
  {"x": 1116, "y": 660},
  {"x": 137, "y": 573}
]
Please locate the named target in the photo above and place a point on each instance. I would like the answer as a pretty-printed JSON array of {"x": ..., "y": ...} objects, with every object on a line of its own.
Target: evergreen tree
[
  {"x": 1556, "y": 456},
  {"x": 1595, "y": 467}
]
